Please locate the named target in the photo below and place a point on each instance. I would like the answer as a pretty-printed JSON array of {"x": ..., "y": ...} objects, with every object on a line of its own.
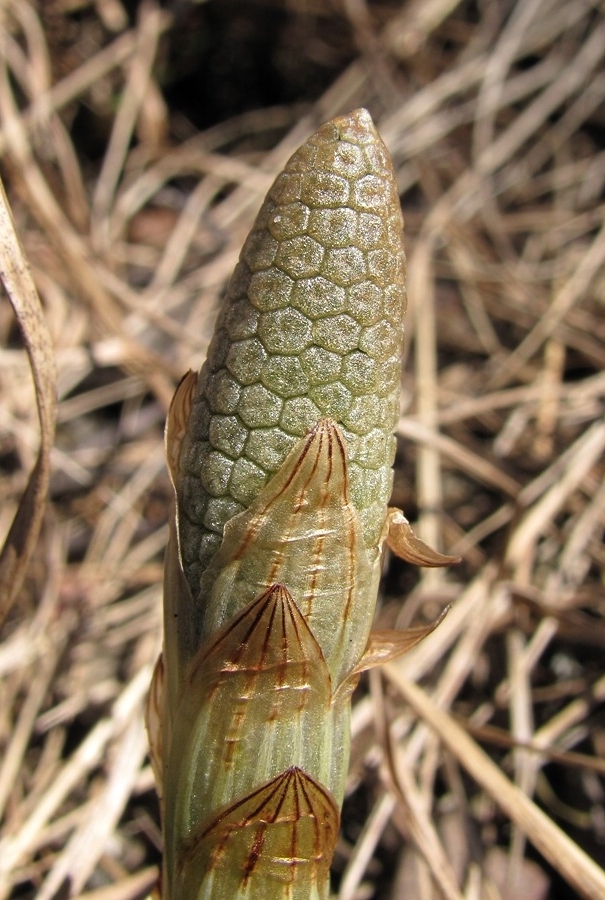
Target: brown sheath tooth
[{"x": 282, "y": 834}]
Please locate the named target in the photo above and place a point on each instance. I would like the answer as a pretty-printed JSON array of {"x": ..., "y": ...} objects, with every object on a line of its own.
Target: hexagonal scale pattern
[{"x": 312, "y": 325}]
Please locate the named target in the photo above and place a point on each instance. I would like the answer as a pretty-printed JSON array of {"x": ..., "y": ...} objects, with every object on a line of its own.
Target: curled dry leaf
[{"x": 18, "y": 283}]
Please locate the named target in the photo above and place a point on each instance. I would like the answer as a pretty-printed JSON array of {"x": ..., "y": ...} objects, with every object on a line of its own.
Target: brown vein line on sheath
[
  {"x": 254, "y": 669},
  {"x": 288, "y": 777},
  {"x": 295, "y": 618},
  {"x": 314, "y": 467},
  {"x": 283, "y": 667},
  {"x": 319, "y": 844},
  {"x": 343, "y": 454},
  {"x": 255, "y": 852},
  {"x": 294, "y": 854},
  {"x": 296, "y": 503},
  {"x": 254, "y": 527},
  {"x": 266, "y": 791},
  {"x": 317, "y": 557},
  {"x": 351, "y": 532},
  {"x": 318, "y": 554},
  {"x": 274, "y": 597},
  {"x": 259, "y": 605}
]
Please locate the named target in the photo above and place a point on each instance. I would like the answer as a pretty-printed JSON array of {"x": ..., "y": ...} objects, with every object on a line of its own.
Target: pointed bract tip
[{"x": 408, "y": 546}]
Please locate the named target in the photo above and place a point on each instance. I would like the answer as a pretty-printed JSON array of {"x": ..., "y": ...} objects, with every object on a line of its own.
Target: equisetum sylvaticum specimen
[{"x": 280, "y": 453}]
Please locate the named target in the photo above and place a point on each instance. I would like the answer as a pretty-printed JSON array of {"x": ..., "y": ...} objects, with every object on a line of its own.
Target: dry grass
[{"x": 131, "y": 198}]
